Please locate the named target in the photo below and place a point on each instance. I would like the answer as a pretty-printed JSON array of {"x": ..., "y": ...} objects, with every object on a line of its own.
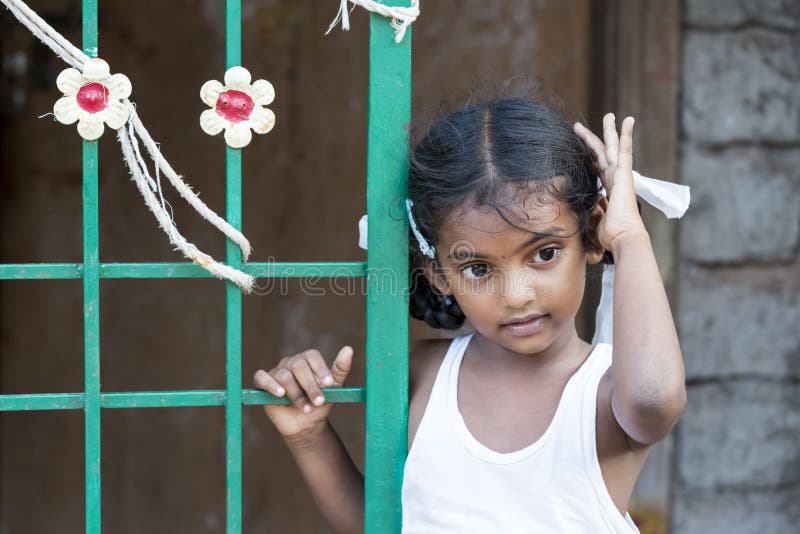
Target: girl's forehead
[{"x": 487, "y": 224}]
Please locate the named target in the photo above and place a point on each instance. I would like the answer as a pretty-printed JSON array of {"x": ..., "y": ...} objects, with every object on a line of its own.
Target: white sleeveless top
[{"x": 452, "y": 483}]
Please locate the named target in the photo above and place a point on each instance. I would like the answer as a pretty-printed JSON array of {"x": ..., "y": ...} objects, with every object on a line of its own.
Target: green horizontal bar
[
  {"x": 161, "y": 399},
  {"x": 257, "y": 269},
  {"x": 41, "y": 401},
  {"x": 40, "y": 271},
  {"x": 45, "y": 271},
  {"x": 339, "y": 395}
]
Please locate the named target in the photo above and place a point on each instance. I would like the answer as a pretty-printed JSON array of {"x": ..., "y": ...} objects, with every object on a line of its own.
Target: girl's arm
[
  {"x": 649, "y": 390},
  {"x": 336, "y": 483}
]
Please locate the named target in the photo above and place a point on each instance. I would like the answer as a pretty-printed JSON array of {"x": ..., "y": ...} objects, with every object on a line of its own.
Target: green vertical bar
[
  {"x": 387, "y": 278},
  {"x": 233, "y": 298},
  {"x": 91, "y": 300}
]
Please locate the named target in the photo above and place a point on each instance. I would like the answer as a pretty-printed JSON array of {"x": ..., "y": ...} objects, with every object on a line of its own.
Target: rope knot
[{"x": 402, "y": 17}]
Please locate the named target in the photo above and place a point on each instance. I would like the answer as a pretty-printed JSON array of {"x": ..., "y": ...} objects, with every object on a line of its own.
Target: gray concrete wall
[{"x": 738, "y": 458}]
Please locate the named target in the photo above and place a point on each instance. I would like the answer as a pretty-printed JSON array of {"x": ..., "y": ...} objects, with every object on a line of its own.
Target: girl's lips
[{"x": 526, "y": 328}]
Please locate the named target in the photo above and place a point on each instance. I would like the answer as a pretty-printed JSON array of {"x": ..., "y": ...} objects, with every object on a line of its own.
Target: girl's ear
[
  {"x": 436, "y": 276},
  {"x": 594, "y": 251}
]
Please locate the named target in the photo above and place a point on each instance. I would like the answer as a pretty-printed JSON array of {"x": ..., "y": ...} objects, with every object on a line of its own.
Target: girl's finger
[
  {"x": 595, "y": 145},
  {"x": 625, "y": 155},
  {"x": 611, "y": 138},
  {"x": 320, "y": 368},
  {"x": 263, "y": 380},
  {"x": 293, "y": 390},
  {"x": 623, "y": 174},
  {"x": 342, "y": 365},
  {"x": 301, "y": 369}
]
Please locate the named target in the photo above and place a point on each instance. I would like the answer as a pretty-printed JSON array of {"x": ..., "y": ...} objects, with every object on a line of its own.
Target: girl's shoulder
[{"x": 424, "y": 358}]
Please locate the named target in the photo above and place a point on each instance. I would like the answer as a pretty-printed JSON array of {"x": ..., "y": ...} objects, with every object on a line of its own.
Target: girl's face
[{"x": 500, "y": 274}]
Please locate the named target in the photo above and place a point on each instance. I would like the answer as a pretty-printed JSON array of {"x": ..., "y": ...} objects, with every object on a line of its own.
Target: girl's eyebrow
[{"x": 462, "y": 255}]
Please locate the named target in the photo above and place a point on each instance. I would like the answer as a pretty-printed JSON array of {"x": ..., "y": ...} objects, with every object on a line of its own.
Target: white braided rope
[
  {"x": 44, "y": 32},
  {"x": 138, "y": 171},
  {"x": 402, "y": 17},
  {"x": 155, "y": 185},
  {"x": 185, "y": 190},
  {"x": 138, "y": 168}
]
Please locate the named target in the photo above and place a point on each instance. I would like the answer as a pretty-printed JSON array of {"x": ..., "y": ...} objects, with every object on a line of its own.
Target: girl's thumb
[{"x": 342, "y": 365}]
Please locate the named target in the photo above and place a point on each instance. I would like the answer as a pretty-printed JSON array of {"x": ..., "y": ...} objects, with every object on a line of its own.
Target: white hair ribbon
[{"x": 669, "y": 198}]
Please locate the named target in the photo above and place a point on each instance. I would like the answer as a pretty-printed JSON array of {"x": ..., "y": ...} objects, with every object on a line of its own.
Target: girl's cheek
[{"x": 563, "y": 280}]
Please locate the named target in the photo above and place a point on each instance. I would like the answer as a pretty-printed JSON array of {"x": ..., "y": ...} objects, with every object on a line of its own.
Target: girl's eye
[
  {"x": 475, "y": 271},
  {"x": 546, "y": 254}
]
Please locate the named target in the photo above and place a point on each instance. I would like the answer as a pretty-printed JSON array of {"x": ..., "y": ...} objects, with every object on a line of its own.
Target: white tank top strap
[
  {"x": 435, "y": 414},
  {"x": 600, "y": 365}
]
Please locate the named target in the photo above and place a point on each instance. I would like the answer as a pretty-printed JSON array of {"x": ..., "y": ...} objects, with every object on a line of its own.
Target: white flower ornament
[
  {"x": 236, "y": 107},
  {"x": 92, "y": 98}
]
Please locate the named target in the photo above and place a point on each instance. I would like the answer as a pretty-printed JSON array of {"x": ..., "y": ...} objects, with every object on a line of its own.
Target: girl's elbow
[
  {"x": 649, "y": 419},
  {"x": 670, "y": 410}
]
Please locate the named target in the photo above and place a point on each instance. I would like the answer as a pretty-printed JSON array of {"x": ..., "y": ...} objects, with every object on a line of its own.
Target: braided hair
[{"x": 492, "y": 153}]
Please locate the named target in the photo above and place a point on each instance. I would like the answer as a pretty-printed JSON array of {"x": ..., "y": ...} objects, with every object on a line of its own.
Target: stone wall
[{"x": 737, "y": 460}]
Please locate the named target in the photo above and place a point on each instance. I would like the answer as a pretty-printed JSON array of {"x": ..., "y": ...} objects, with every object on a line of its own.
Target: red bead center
[
  {"x": 93, "y": 97},
  {"x": 234, "y": 105}
]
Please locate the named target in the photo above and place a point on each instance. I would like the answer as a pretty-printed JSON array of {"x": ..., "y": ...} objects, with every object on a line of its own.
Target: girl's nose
[{"x": 519, "y": 287}]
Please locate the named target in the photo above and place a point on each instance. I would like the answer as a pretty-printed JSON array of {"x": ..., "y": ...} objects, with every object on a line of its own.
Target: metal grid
[{"x": 386, "y": 392}]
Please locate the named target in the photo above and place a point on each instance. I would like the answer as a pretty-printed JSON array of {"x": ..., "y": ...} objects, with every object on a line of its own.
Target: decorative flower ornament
[
  {"x": 92, "y": 98},
  {"x": 236, "y": 107}
]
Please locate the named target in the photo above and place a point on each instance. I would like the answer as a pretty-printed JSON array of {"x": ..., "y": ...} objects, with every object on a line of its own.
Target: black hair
[{"x": 493, "y": 153}]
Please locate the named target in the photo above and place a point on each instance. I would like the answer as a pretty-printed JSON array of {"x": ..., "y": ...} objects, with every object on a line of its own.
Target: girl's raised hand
[
  {"x": 300, "y": 378},
  {"x": 614, "y": 163}
]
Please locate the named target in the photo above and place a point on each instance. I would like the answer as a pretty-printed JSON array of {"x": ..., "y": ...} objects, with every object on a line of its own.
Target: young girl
[{"x": 519, "y": 425}]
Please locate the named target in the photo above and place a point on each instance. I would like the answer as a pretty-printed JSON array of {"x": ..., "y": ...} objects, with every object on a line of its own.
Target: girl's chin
[
  {"x": 523, "y": 344},
  {"x": 532, "y": 343},
  {"x": 527, "y": 345}
]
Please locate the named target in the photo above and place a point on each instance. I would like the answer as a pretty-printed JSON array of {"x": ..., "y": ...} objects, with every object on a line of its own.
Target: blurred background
[{"x": 713, "y": 85}]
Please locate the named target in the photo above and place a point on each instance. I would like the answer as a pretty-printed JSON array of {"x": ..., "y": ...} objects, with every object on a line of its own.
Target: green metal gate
[{"x": 386, "y": 391}]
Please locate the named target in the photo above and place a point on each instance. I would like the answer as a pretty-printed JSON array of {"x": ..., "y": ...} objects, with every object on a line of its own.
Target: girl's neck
[{"x": 562, "y": 352}]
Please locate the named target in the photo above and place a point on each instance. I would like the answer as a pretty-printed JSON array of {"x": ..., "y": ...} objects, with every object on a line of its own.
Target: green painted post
[
  {"x": 233, "y": 298},
  {"x": 91, "y": 300},
  {"x": 387, "y": 275}
]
